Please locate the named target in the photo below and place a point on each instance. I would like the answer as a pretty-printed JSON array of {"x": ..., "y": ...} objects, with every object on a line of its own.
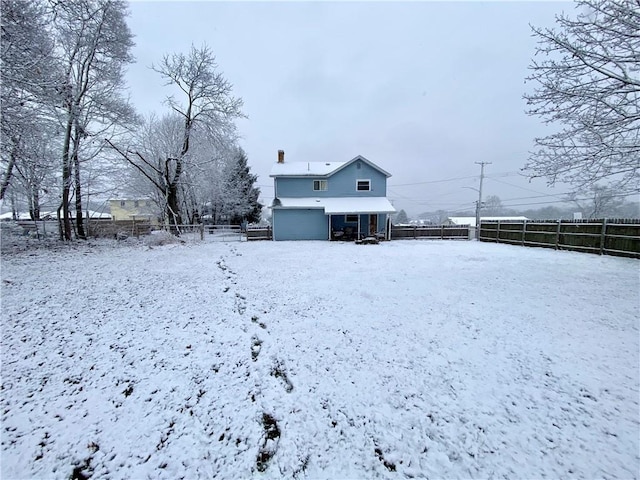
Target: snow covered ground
[{"x": 408, "y": 359}]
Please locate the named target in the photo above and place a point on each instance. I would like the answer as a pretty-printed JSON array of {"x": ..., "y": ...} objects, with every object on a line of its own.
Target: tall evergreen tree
[{"x": 241, "y": 199}]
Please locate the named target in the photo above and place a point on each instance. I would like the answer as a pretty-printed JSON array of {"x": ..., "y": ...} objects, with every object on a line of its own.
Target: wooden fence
[
  {"x": 619, "y": 237},
  {"x": 132, "y": 228},
  {"x": 94, "y": 228},
  {"x": 259, "y": 233},
  {"x": 441, "y": 232}
]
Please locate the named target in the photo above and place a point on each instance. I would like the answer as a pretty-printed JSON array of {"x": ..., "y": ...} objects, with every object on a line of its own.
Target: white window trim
[
  {"x": 321, "y": 183},
  {"x": 368, "y": 180}
]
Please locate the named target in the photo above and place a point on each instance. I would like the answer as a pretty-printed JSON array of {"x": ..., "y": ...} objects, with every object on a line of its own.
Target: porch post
[
  {"x": 358, "y": 237},
  {"x": 330, "y": 228}
]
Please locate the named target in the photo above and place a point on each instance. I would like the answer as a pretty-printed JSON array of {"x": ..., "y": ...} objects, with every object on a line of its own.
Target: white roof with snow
[
  {"x": 54, "y": 214},
  {"x": 341, "y": 205},
  {"x": 305, "y": 169}
]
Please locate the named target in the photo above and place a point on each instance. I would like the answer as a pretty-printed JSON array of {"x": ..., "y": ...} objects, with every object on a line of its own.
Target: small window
[
  {"x": 351, "y": 218},
  {"x": 123, "y": 203},
  {"x": 136, "y": 203},
  {"x": 363, "y": 185},
  {"x": 320, "y": 185}
]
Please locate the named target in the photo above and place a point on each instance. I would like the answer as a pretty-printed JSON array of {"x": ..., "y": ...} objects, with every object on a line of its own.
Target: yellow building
[{"x": 136, "y": 209}]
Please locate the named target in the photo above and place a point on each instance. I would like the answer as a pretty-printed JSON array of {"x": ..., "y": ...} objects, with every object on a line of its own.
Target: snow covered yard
[{"x": 408, "y": 359}]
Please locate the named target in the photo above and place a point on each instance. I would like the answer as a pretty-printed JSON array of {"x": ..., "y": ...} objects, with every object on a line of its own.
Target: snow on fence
[
  {"x": 440, "y": 232},
  {"x": 259, "y": 233},
  {"x": 619, "y": 237},
  {"x": 93, "y": 227},
  {"x": 134, "y": 228}
]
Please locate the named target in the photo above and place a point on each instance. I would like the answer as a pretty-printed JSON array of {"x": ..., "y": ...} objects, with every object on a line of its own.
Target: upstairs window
[
  {"x": 349, "y": 218},
  {"x": 363, "y": 185},
  {"x": 123, "y": 203},
  {"x": 320, "y": 185}
]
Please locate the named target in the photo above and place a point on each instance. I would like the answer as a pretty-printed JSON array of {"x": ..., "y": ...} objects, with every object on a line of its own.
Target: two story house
[
  {"x": 137, "y": 209},
  {"x": 330, "y": 200}
]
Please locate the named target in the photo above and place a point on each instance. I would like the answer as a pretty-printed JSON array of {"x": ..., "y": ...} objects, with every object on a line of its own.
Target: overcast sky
[{"x": 423, "y": 89}]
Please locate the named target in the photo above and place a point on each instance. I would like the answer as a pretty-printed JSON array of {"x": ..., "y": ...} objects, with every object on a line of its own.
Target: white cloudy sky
[{"x": 423, "y": 89}]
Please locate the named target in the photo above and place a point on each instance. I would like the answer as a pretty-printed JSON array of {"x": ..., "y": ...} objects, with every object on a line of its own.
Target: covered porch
[{"x": 358, "y": 218}]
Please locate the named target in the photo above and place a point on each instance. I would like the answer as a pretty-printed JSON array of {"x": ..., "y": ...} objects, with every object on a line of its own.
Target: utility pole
[{"x": 479, "y": 204}]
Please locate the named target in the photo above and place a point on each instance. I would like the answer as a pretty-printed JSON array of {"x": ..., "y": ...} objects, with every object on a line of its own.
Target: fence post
[
  {"x": 603, "y": 235},
  {"x": 415, "y": 231},
  {"x": 524, "y": 231},
  {"x": 558, "y": 227},
  {"x": 498, "y": 233},
  {"x": 441, "y": 232},
  {"x": 202, "y": 231}
]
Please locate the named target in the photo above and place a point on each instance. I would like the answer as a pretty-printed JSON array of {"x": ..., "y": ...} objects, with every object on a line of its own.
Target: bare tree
[
  {"x": 598, "y": 201},
  {"x": 29, "y": 74},
  {"x": 34, "y": 171},
  {"x": 492, "y": 206},
  {"x": 153, "y": 158},
  {"x": 94, "y": 44},
  {"x": 588, "y": 84},
  {"x": 204, "y": 103}
]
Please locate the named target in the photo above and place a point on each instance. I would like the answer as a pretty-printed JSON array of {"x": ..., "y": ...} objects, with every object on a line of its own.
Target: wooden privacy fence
[
  {"x": 619, "y": 237},
  {"x": 441, "y": 232}
]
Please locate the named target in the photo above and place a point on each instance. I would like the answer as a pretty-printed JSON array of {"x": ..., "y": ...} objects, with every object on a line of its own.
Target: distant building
[{"x": 133, "y": 209}]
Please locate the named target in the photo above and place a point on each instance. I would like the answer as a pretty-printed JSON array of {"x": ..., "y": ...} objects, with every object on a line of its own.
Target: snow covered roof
[
  {"x": 340, "y": 205},
  {"x": 472, "y": 220},
  {"x": 296, "y": 169},
  {"x": 53, "y": 214},
  {"x": 315, "y": 169}
]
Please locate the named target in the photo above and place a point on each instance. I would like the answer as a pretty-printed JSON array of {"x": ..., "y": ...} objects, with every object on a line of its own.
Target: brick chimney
[{"x": 280, "y": 156}]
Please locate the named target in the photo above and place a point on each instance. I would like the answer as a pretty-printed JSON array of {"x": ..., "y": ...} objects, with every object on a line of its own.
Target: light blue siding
[
  {"x": 341, "y": 183},
  {"x": 300, "y": 224}
]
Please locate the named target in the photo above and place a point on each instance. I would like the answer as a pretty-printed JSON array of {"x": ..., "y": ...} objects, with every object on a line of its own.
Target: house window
[
  {"x": 136, "y": 203},
  {"x": 123, "y": 203},
  {"x": 320, "y": 185},
  {"x": 351, "y": 219},
  {"x": 363, "y": 185}
]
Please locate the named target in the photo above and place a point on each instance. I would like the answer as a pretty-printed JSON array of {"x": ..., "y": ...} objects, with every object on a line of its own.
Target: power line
[
  {"x": 567, "y": 200},
  {"x": 527, "y": 189},
  {"x": 500, "y": 174}
]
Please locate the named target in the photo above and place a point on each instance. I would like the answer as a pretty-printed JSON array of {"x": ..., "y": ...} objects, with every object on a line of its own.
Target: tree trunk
[
  {"x": 173, "y": 209},
  {"x": 6, "y": 179},
  {"x": 79, "y": 216},
  {"x": 65, "y": 229},
  {"x": 34, "y": 203},
  {"x": 14, "y": 211}
]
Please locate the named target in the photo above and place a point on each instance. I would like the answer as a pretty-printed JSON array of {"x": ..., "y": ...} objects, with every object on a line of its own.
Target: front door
[{"x": 373, "y": 225}]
